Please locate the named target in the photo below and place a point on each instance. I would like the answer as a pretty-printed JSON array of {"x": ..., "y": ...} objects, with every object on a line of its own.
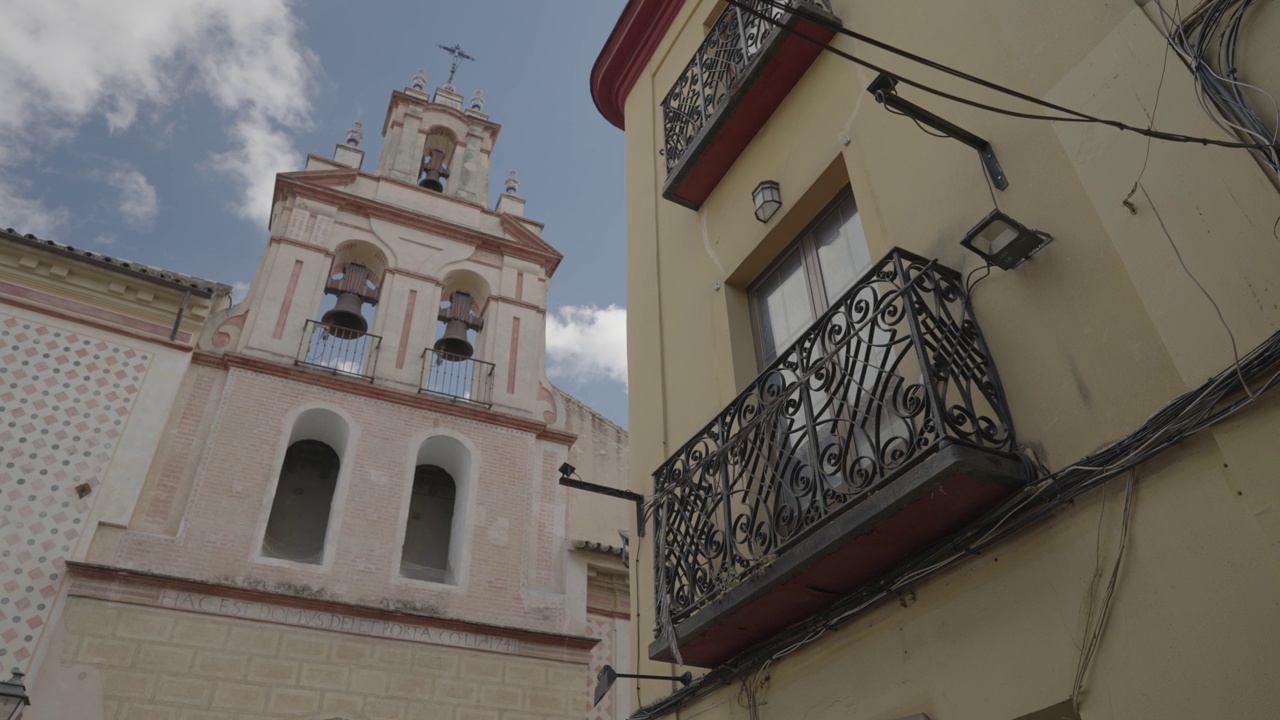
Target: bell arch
[
  {"x": 463, "y": 302},
  {"x": 438, "y": 151},
  {"x": 355, "y": 283},
  {"x": 297, "y": 525}
]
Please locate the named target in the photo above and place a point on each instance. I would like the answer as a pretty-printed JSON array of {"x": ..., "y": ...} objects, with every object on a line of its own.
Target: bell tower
[
  {"x": 338, "y": 497},
  {"x": 403, "y": 277},
  {"x": 432, "y": 141}
]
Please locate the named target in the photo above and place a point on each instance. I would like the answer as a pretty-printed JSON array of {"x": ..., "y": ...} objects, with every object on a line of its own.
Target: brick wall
[
  {"x": 514, "y": 531},
  {"x": 142, "y": 663}
]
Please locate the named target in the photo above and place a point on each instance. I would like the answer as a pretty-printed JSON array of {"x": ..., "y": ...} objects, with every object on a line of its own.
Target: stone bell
[
  {"x": 453, "y": 344},
  {"x": 344, "y": 320}
]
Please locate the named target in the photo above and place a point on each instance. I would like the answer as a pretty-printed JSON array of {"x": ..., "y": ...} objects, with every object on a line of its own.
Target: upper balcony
[
  {"x": 739, "y": 75},
  {"x": 882, "y": 430}
]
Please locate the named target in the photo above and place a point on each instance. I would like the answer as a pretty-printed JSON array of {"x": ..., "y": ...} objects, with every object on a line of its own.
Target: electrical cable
[
  {"x": 1235, "y": 352},
  {"x": 1151, "y": 122},
  {"x": 1219, "y": 90},
  {"x": 1074, "y": 115},
  {"x": 923, "y": 129},
  {"x": 1094, "y": 637}
]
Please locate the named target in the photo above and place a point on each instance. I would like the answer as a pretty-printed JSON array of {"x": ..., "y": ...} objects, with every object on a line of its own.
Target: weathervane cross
[{"x": 458, "y": 56}]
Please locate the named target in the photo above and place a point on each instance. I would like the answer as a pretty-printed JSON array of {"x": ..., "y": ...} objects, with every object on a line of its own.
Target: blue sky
[{"x": 151, "y": 130}]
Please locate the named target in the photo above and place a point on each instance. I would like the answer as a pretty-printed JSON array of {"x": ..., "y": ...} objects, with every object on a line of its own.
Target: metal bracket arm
[
  {"x": 883, "y": 90},
  {"x": 635, "y": 497}
]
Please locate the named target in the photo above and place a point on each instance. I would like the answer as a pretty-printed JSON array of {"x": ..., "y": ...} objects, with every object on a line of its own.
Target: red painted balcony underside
[
  {"x": 856, "y": 546},
  {"x": 768, "y": 80}
]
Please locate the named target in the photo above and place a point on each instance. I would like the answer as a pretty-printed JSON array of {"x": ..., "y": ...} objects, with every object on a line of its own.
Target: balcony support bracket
[{"x": 883, "y": 88}]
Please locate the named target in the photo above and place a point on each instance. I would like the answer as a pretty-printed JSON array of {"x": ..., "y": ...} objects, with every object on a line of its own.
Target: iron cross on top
[{"x": 458, "y": 56}]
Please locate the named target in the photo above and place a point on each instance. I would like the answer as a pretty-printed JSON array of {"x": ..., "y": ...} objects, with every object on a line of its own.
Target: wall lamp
[
  {"x": 13, "y": 697},
  {"x": 566, "y": 479},
  {"x": 608, "y": 676},
  {"x": 767, "y": 198},
  {"x": 1003, "y": 241}
]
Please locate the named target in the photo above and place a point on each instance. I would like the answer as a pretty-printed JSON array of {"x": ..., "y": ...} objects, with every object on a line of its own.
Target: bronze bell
[
  {"x": 453, "y": 344},
  {"x": 344, "y": 321},
  {"x": 432, "y": 181}
]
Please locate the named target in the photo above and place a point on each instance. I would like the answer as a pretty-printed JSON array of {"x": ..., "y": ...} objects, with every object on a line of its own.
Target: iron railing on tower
[
  {"x": 340, "y": 350},
  {"x": 457, "y": 377}
]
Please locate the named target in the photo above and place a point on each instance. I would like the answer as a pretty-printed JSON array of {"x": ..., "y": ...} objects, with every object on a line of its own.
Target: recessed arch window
[
  {"x": 433, "y": 522},
  {"x": 429, "y": 527},
  {"x": 298, "y": 524}
]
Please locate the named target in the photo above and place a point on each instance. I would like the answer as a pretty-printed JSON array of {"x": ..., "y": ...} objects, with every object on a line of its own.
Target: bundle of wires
[
  {"x": 1206, "y": 40},
  {"x": 1220, "y": 397}
]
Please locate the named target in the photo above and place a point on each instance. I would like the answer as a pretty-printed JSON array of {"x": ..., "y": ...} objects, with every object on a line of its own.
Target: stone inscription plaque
[{"x": 322, "y": 620}]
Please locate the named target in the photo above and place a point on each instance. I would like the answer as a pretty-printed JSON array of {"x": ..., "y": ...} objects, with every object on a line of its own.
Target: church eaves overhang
[
  {"x": 625, "y": 54},
  {"x": 197, "y": 286}
]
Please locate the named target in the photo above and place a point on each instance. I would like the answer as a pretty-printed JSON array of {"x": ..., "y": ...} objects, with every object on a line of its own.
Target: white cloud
[
  {"x": 106, "y": 240},
  {"x": 30, "y": 215},
  {"x": 585, "y": 342},
  {"x": 239, "y": 289},
  {"x": 138, "y": 200},
  {"x": 70, "y": 61}
]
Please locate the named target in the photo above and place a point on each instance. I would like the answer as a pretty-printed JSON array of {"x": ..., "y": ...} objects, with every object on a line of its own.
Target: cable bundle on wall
[{"x": 1207, "y": 40}]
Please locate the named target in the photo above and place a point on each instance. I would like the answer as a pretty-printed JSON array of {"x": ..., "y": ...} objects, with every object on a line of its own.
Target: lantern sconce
[
  {"x": 13, "y": 697},
  {"x": 767, "y": 198},
  {"x": 1003, "y": 241}
]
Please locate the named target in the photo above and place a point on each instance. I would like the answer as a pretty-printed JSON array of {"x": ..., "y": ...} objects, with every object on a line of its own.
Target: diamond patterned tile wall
[{"x": 64, "y": 400}]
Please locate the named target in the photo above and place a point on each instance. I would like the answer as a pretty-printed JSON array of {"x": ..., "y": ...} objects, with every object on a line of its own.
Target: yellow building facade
[{"x": 916, "y": 485}]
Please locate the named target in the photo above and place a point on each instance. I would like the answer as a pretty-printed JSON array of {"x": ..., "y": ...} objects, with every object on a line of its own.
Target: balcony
[
  {"x": 458, "y": 378},
  {"x": 739, "y": 75},
  {"x": 882, "y": 430},
  {"x": 339, "y": 350}
]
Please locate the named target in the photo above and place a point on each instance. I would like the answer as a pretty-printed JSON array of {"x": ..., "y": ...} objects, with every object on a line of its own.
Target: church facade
[{"x": 336, "y": 498}]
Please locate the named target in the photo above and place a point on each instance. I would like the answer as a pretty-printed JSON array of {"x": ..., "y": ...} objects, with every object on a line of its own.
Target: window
[
  {"x": 300, "y": 512},
  {"x": 425, "y": 555},
  {"x": 820, "y": 266}
]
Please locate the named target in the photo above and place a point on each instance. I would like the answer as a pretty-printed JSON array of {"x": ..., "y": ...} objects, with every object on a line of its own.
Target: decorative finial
[
  {"x": 419, "y": 81},
  {"x": 458, "y": 56},
  {"x": 512, "y": 185},
  {"x": 477, "y": 100},
  {"x": 355, "y": 134}
]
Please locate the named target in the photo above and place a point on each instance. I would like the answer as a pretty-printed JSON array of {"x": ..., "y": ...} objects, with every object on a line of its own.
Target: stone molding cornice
[
  {"x": 625, "y": 54},
  {"x": 363, "y": 388},
  {"x": 320, "y": 186},
  {"x": 113, "y": 584}
]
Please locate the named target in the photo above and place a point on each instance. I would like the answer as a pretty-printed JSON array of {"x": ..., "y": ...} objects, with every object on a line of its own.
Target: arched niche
[
  {"x": 439, "y": 495},
  {"x": 465, "y": 295},
  {"x": 297, "y": 527},
  {"x": 438, "y": 151},
  {"x": 354, "y": 285}
]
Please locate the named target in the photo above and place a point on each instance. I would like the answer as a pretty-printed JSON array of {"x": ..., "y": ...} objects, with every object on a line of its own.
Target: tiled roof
[
  {"x": 188, "y": 282},
  {"x": 598, "y": 547}
]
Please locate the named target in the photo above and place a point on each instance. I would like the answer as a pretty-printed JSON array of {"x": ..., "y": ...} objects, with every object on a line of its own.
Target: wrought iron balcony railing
[
  {"x": 735, "y": 53},
  {"x": 340, "y": 350},
  {"x": 460, "y": 378},
  {"x": 895, "y": 371}
]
